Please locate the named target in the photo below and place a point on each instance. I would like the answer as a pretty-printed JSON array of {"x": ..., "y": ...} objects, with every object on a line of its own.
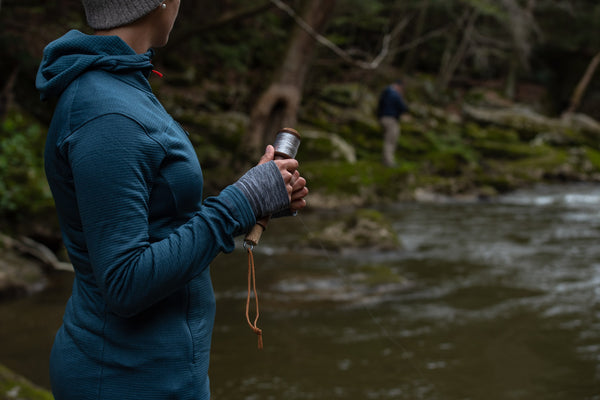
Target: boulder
[
  {"x": 23, "y": 263},
  {"x": 318, "y": 145},
  {"x": 523, "y": 119},
  {"x": 364, "y": 229}
]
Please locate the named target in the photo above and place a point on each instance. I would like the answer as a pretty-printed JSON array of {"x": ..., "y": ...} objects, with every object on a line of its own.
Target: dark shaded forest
[{"x": 235, "y": 71}]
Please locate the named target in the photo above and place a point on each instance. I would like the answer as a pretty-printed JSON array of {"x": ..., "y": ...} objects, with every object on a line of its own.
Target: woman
[{"x": 128, "y": 191}]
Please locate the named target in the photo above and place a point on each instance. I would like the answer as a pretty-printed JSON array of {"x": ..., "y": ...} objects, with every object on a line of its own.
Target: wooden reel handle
[{"x": 286, "y": 145}]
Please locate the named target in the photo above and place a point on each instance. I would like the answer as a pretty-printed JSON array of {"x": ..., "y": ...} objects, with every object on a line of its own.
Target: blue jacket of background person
[
  {"x": 391, "y": 103},
  {"x": 128, "y": 190}
]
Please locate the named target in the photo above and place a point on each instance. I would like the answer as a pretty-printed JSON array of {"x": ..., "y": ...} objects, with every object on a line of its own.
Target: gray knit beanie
[{"x": 108, "y": 14}]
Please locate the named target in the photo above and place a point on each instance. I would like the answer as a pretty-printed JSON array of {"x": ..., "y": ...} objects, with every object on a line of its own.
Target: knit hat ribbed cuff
[{"x": 108, "y": 14}]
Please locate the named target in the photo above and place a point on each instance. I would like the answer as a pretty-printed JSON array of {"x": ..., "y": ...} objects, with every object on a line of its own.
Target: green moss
[
  {"x": 370, "y": 214},
  {"x": 343, "y": 94},
  {"x": 216, "y": 136},
  {"x": 380, "y": 275},
  {"x": 593, "y": 156},
  {"x": 495, "y": 183},
  {"x": 547, "y": 159},
  {"x": 449, "y": 162},
  {"x": 355, "y": 179},
  {"x": 23, "y": 187},
  {"x": 316, "y": 149},
  {"x": 412, "y": 142},
  {"x": 13, "y": 386},
  {"x": 508, "y": 150},
  {"x": 365, "y": 228},
  {"x": 492, "y": 133}
]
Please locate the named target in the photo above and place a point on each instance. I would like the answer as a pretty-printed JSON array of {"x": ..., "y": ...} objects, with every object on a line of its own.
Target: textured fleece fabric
[
  {"x": 128, "y": 191},
  {"x": 264, "y": 202}
]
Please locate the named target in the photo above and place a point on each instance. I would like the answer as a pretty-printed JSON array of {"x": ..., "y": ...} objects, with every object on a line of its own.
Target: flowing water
[{"x": 487, "y": 300}]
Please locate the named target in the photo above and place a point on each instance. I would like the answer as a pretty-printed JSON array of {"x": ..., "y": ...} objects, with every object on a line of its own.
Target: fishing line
[
  {"x": 372, "y": 316},
  {"x": 286, "y": 146},
  {"x": 344, "y": 276},
  {"x": 286, "y": 143}
]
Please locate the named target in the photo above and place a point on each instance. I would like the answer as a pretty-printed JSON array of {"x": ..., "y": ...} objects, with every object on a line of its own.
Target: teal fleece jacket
[{"x": 128, "y": 191}]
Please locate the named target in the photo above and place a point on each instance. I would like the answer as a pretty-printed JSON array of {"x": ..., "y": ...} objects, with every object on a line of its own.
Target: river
[{"x": 485, "y": 300}]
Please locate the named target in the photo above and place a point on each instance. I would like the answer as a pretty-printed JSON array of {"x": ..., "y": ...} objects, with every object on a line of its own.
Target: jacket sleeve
[{"x": 113, "y": 163}]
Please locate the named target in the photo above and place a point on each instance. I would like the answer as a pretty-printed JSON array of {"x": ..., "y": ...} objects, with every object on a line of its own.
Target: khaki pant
[{"x": 391, "y": 133}]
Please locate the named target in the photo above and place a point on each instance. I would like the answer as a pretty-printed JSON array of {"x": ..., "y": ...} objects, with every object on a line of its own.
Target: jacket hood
[{"x": 75, "y": 53}]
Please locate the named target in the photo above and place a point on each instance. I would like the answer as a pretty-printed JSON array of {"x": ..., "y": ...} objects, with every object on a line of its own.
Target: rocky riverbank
[
  {"x": 23, "y": 266},
  {"x": 476, "y": 147},
  {"x": 482, "y": 150}
]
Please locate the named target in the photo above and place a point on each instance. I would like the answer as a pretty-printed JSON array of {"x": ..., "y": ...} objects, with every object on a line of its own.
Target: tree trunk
[
  {"x": 522, "y": 26},
  {"x": 411, "y": 55},
  {"x": 510, "y": 86},
  {"x": 451, "y": 62},
  {"x": 7, "y": 94},
  {"x": 278, "y": 105},
  {"x": 583, "y": 84}
]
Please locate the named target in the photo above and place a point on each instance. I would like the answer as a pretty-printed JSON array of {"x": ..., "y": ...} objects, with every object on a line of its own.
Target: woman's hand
[{"x": 294, "y": 183}]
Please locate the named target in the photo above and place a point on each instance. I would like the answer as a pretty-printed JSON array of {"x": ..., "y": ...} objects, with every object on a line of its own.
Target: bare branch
[
  {"x": 37, "y": 250},
  {"x": 344, "y": 55},
  {"x": 224, "y": 19},
  {"x": 583, "y": 84},
  {"x": 418, "y": 41}
]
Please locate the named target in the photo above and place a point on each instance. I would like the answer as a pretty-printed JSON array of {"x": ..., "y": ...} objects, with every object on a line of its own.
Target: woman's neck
[{"x": 136, "y": 36}]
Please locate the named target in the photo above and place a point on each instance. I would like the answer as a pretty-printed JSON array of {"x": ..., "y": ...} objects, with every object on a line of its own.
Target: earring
[{"x": 163, "y": 5}]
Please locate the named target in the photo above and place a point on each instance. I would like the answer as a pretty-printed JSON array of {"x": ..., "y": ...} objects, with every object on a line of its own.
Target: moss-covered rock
[
  {"x": 19, "y": 275},
  {"x": 370, "y": 181},
  {"x": 16, "y": 387},
  {"x": 529, "y": 123},
  {"x": 318, "y": 145},
  {"x": 364, "y": 229},
  {"x": 379, "y": 274}
]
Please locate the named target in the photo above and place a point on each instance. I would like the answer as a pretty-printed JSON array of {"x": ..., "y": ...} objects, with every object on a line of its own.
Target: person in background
[
  {"x": 128, "y": 191},
  {"x": 389, "y": 109}
]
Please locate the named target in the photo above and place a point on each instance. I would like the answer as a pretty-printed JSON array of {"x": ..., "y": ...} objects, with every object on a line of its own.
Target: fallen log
[{"x": 38, "y": 251}]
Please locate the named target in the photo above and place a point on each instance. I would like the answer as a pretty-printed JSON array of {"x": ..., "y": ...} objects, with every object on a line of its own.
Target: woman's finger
[{"x": 268, "y": 156}]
